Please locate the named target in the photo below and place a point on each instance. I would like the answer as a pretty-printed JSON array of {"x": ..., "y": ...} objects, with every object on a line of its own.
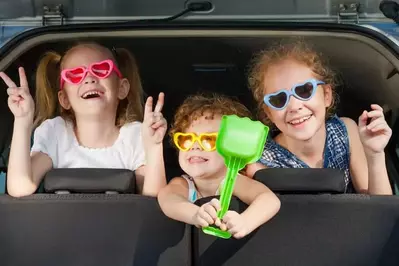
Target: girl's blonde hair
[
  {"x": 48, "y": 84},
  {"x": 295, "y": 49}
]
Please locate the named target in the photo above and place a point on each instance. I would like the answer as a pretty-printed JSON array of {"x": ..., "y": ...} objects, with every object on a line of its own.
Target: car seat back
[
  {"x": 93, "y": 230},
  {"x": 312, "y": 230},
  {"x": 303, "y": 180}
]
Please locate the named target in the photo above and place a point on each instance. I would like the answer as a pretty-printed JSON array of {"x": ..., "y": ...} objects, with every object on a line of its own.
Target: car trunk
[
  {"x": 202, "y": 52},
  {"x": 181, "y": 58}
]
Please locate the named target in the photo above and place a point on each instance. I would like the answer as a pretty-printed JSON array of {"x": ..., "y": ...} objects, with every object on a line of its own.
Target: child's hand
[
  {"x": 374, "y": 136},
  {"x": 207, "y": 214},
  {"x": 154, "y": 124},
  {"x": 235, "y": 224},
  {"x": 20, "y": 101}
]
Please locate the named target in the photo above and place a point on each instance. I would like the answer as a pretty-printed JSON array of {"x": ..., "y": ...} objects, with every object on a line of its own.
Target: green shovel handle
[{"x": 225, "y": 196}]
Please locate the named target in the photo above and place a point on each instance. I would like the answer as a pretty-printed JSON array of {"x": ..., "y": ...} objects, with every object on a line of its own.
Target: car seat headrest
[
  {"x": 303, "y": 180},
  {"x": 89, "y": 180}
]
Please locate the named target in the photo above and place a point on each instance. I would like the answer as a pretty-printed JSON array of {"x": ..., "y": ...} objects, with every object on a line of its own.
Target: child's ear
[
  {"x": 124, "y": 88},
  {"x": 63, "y": 99},
  {"x": 328, "y": 97}
]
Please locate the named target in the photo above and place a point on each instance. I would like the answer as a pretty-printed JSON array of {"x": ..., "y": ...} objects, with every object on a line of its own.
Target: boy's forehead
[{"x": 206, "y": 122}]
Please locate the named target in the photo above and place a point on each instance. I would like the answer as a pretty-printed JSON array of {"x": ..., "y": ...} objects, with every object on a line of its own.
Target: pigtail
[
  {"x": 131, "y": 108},
  {"x": 47, "y": 79}
]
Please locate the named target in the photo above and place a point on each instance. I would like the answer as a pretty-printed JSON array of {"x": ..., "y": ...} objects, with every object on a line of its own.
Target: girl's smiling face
[
  {"x": 299, "y": 119},
  {"x": 94, "y": 95}
]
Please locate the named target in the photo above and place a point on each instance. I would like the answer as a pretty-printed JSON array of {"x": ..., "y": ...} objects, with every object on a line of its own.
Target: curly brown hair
[
  {"x": 295, "y": 49},
  {"x": 196, "y": 106}
]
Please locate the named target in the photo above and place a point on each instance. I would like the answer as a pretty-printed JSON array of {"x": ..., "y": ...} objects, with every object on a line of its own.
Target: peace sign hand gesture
[
  {"x": 154, "y": 124},
  {"x": 20, "y": 100}
]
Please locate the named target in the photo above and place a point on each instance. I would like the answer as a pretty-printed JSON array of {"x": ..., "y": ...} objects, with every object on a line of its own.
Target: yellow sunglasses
[{"x": 185, "y": 141}]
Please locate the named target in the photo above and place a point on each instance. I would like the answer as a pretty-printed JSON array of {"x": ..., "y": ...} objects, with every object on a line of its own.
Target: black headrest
[
  {"x": 302, "y": 180},
  {"x": 89, "y": 180}
]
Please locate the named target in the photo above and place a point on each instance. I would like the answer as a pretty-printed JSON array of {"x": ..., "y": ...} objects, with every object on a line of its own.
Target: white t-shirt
[{"x": 56, "y": 138}]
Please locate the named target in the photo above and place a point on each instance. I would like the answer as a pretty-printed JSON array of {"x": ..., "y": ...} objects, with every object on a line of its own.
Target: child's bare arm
[
  {"x": 369, "y": 174},
  {"x": 251, "y": 169},
  {"x": 25, "y": 172},
  {"x": 151, "y": 177},
  {"x": 263, "y": 204},
  {"x": 173, "y": 202}
]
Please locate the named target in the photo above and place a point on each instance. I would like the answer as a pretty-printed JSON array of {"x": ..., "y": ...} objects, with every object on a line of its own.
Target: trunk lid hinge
[
  {"x": 53, "y": 15},
  {"x": 348, "y": 13}
]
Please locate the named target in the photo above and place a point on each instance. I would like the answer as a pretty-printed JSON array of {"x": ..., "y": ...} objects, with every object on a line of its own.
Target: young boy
[{"x": 194, "y": 132}]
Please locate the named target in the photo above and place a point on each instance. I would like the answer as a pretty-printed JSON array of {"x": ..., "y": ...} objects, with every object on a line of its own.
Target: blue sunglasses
[{"x": 303, "y": 91}]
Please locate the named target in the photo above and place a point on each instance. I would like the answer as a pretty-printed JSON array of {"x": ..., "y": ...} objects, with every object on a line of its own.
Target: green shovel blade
[{"x": 240, "y": 142}]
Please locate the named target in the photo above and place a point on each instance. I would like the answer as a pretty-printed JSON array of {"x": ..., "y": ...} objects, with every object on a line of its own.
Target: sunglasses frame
[
  {"x": 86, "y": 70},
  {"x": 195, "y": 138},
  {"x": 315, "y": 83}
]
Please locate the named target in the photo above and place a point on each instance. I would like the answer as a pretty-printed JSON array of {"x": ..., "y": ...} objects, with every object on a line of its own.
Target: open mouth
[
  {"x": 91, "y": 95},
  {"x": 300, "y": 120},
  {"x": 197, "y": 159}
]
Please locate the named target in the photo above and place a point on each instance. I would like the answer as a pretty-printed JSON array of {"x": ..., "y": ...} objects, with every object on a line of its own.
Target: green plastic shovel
[{"x": 240, "y": 141}]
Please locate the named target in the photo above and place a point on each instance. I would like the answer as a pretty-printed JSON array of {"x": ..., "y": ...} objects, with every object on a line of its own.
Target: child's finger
[
  {"x": 238, "y": 235},
  {"x": 13, "y": 91},
  {"x": 228, "y": 216},
  {"x": 24, "y": 93},
  {"x": 202, "y": 222},
  {"x": 218, "y": 222},
  {"x": 148, "y": 121},
  {"x": 157, "y": 116},
  {"x": 379, "y": 127},
  {"x": 228, "y": 221},
  {"x": 159, "y": 124},
  {"x": 216, "y": 204},
  {"x": 375, "y": 123},
  {"x": 15, "y": 97},
  {"x": 160, "y": 102},
  {"x": 7, "y": 80},
  {"x": 204, "y": 215},
  {"x": 230, "y": 224},
  {"x": 223, "y": 226},
  {"x": 233, "y": 229},
  {"x": 377, "y": 107},
  {"x": 148, "y": 108},
  {"x": 211, "y": 211},
  {"x": 23, "y": 81},
  {"x": 363, "y": 119},
  {"x": 375, "y": 114}
]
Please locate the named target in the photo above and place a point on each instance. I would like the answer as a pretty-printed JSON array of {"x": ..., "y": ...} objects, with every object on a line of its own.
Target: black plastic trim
[{"x": 207, "y": 25}]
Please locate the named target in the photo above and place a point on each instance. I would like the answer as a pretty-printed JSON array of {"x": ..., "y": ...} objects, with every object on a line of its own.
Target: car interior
[{"x": 94, "y": 217}]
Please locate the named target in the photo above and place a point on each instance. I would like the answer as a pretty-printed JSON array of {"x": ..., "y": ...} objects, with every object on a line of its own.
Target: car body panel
[{"x": 17, "y": 16}]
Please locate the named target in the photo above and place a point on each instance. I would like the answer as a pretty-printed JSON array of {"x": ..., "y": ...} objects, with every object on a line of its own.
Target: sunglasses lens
[
  {"x": 208, "y": 142},
  {"x": 101, "y": 70},
  {"x": 278, "y": 100},
  {"x": 184, "y": 142},
  {"x": 305, "y": 91},
  {"x": 75, "y": 75}
]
